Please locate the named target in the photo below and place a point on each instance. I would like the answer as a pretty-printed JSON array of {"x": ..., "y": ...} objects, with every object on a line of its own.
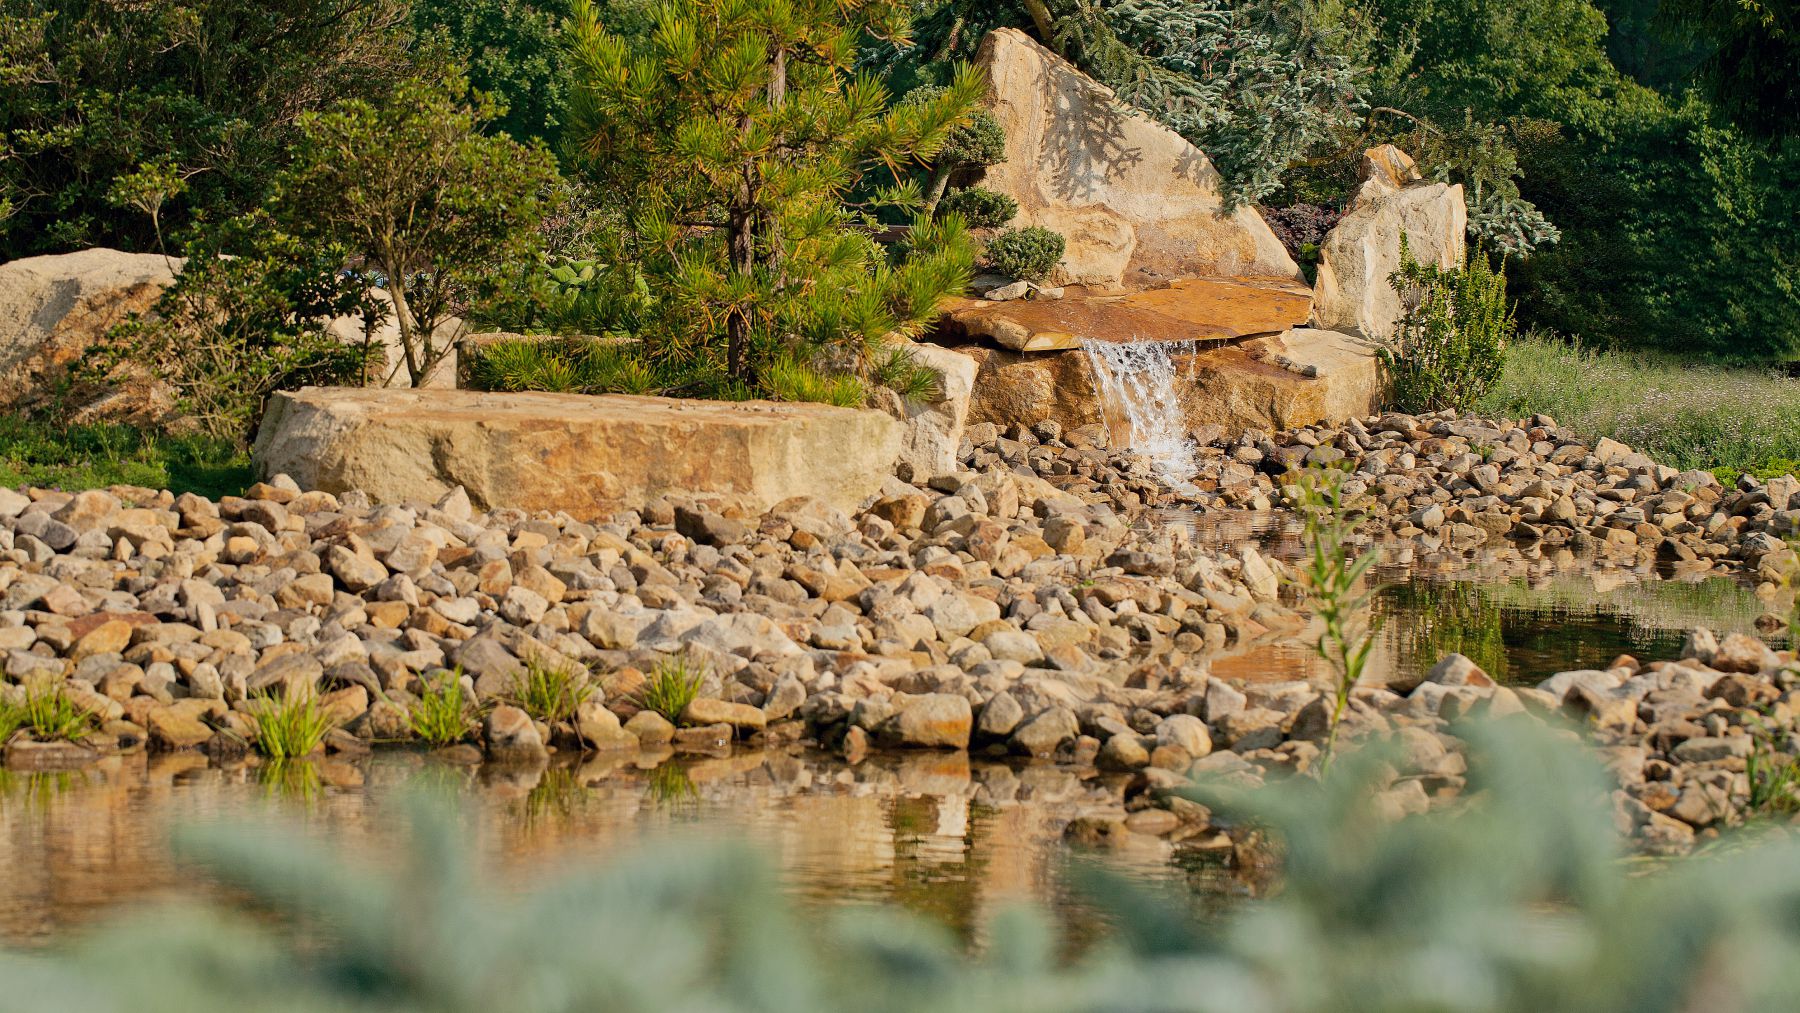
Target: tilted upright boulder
[
  {"x": 1352, "y": 292},
  {"x": 54, "y": 308},
  {"x": 1137, "y": 204}
]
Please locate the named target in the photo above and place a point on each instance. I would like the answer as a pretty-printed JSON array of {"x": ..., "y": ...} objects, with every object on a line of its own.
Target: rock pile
[
  {"x": 1462, "y": 482},
  {"x": 991, "y": 605}
]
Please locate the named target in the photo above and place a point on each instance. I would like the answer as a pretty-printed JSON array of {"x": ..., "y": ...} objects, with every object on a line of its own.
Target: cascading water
[{"x": 1139, "y": 384}]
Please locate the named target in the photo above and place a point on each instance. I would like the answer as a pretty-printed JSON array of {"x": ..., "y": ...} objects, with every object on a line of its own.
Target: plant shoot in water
[{"x": 1332, "y": 574}]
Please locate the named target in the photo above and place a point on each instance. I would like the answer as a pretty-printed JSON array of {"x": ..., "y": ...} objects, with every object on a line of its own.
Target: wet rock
[
  {"x": 933, "y": 721},
  {"x": 511, "y": 737}
]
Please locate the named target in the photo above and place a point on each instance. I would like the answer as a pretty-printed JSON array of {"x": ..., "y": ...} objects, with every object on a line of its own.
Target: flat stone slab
[
  {"x": 588, "y": 456},
  {"x": 1192, "y": 309}
]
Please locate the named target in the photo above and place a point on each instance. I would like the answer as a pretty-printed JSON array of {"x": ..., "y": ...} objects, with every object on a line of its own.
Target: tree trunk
[
  {"x": 741, "y": 244},
  {"x": 403, "y": 318},
  {"x": 940, "y": 181}
]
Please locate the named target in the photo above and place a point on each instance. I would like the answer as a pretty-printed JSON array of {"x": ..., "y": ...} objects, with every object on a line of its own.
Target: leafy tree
[
  {"x": 733, "y": 134},
  {"x": 510, "y": 50},
  {"x": 1752, "y": 62},
  {"x": 439, "y": 212},
  {"x": 204, "y": 91}
]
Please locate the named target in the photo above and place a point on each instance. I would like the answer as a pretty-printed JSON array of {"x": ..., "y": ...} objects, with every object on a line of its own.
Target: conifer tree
[{"x": 736, "y": 134}]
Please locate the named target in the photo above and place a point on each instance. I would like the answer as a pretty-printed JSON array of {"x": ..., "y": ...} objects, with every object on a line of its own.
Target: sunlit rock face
[{"x": 1137, "y": 204}]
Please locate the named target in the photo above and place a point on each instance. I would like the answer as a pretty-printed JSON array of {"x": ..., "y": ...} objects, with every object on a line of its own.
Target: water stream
[{"x": 1138, "y": 384}]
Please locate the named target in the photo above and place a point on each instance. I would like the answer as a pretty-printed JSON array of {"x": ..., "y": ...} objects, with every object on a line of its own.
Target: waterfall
[{"x": 1139, "y": 382}]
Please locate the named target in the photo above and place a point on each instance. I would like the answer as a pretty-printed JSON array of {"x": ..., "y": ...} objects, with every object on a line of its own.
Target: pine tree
[{"x": 736, "y": 133}]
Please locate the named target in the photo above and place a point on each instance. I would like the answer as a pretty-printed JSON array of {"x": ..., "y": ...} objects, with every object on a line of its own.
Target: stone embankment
[
  {"x": 1013, "y": 606},
  {"x": 1463, "y": 482}
]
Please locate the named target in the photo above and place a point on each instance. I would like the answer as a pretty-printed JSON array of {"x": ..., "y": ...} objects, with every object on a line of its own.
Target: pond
[
  {"x": 1521, "y": 617},
  {"x": 955, "y": 839}
]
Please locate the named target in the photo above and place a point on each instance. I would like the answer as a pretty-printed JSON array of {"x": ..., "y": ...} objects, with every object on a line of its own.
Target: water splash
[{"x": 1139, "y": 383}]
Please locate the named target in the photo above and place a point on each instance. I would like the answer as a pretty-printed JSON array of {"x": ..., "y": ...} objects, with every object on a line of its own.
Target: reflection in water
[
  {"x": 934, "y": 832},
  {"x": 1520, "y": 615}
]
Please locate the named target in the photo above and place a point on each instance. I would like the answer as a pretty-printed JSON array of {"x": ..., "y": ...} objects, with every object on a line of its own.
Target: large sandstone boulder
[
  {"x": 1136, "y": 203},
  {"x": 1299, "y": 378},
  {"x": 54, "y": 308},
  {"x": 1295, "y": 378},
  {"x": 1352, "y": 292},
  {"x": 933, "y": 429},
  {"x": 588, "y": 456}
]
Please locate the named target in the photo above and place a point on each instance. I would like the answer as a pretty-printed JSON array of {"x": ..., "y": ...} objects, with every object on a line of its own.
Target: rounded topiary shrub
[
  {"x": 980, "y": 207},
  {"x": 1027, "y": 253}
]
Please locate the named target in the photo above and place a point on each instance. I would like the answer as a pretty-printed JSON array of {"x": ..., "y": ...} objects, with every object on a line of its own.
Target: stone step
[{"x": 1192, "y": 309}]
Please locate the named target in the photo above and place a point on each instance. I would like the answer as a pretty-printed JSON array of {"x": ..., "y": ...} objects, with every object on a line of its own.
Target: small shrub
[
  {"x": 790, "y": 378},
  {"x": 1028, "y": 254},
  {"x": 551, "y": 693},
  {"x": 1773, "y": 774},
  {"x": 48, "y": 713},
  {"x": 980, "y": 207},
  {"x": 672, "y": 685},
  {"x": 246, "y": 317},
  {"x": 1451, "y": 343},
  {"x": 898, "y": 372},
  {"x": 443, "y": 714},
  {"x": 289, "y": 725}
]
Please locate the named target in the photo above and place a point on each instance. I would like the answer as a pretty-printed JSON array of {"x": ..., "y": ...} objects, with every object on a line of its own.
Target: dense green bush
[
  {"x": 1519, "y": 900},
  {"x": 1677, "y": 234},
  {"x": 246, "y": 317},
  {"x": 1028, "y": 253},
  {"x": 980, "y": 207},
  {"x": 1450, "y": 345}
]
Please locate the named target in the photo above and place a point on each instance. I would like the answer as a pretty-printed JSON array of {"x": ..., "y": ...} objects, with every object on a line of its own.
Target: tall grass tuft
[
  {"x": 289, "y": 725},
  {"x": 444, "y": 714},
  {"x": 551, "y": 692},
  {"x": 1333, "y": 574},
  {"x": 672, "y": 685},
  {"x": 48, "y": 713}
]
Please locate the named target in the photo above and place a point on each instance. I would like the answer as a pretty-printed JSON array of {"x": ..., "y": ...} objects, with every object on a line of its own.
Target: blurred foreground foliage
[{"x": 1518, "y": 900}]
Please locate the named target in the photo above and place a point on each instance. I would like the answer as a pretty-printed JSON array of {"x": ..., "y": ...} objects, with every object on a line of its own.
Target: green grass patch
[
  {"x": 48, "y": 713},
  {"x": 444, "y": 713},
  {"x": 1687, "y": 415},
  {"x": 42, "y": 453},
  {"x": 289, "y": 726},
  {"x": 551, "y": 693},
  {"x": 672, "y": 685}
]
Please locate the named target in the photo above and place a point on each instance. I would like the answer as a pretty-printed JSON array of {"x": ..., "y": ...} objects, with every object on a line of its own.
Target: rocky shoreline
[{"x": 1014, "y": 606}]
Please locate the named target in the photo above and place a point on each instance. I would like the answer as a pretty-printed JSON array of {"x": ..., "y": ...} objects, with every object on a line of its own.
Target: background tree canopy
[{"x": 1635, "y": 158}]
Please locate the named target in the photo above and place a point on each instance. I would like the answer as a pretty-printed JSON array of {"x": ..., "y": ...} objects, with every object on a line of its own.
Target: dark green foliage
[
  {"x": 1752, "y": 57},
  {"x": 1029, "y": 253},
  {"x": 733, "y": 135},
  {"x": 510, "y": 50},
  {"x": 442, "y": 213},
  {"x": 210, "y": 89},
  {"x": 1677, "y": 234},
  {"x": 56, "y": 455},
  {"x": 980, "y": 207},
  {"x": 1451, "y": 343},
  {"x": 245, "y": 318}
]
